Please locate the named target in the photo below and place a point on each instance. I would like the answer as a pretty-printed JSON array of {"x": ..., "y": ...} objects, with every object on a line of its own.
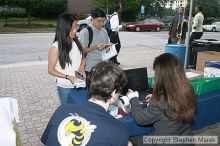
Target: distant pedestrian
[
  {"x": 197, "y": 31},
  {"x": 65, "y": 56},
  {"x": 178, "y": 28},
  {"x": 98, "y": 36},
  {"x": 114, "y": 35}
]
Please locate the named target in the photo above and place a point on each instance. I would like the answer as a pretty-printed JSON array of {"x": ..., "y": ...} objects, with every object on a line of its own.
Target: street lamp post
[
  {"x": 107, "y": 7},
  {"x": 188, "y": 34}
]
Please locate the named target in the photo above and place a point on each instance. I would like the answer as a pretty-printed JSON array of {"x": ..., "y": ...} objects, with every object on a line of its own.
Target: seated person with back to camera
[
  {"x": 172, "y": 105},
  {"x": 89, "y": 123}
]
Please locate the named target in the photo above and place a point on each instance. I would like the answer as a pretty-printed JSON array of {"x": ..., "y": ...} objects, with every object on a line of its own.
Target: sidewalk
[{"x": 35, "y": 91}]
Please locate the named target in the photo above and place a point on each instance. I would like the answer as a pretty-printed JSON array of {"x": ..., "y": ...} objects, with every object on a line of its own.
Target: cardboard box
[
  {"x": 206, "y": 56},
  {"x": 212, "y": 69},
  {"x": 193, "y": 74}
]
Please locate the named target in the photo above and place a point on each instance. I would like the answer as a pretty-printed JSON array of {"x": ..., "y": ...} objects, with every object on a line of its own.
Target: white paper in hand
[
  {"x": 109, "y": 52},
  {"x": 79, "y": 83}
]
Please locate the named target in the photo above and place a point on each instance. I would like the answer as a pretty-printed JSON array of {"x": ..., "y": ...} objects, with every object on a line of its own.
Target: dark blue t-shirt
[{"x": 84, "y": 124}]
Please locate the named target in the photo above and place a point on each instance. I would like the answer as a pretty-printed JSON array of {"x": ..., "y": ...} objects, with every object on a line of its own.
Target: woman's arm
[
  {"x": 144, "y": 116},
  {"x": 52, "y": 61},
  {"x": 82, "y": 67}
]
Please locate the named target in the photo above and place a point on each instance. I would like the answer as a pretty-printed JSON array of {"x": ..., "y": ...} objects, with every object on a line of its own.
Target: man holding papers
[{"x": 99, "y": 36}]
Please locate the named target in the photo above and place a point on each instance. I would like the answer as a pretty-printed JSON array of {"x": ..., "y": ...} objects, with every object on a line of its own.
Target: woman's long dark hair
[
  {"x": 171, "y": 83},
  {"x": 64, "y": 25}
]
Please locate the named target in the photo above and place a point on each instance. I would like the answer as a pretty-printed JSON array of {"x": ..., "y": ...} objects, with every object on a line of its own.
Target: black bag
[{"x": 107, "y": 25}]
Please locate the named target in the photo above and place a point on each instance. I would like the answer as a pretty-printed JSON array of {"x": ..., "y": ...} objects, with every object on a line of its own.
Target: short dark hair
[
  {"x": 103, "y": 79},
  {"x": 117, "y": 7},
  {"x": 98, "y": 12},
  {"x": 199, "y": 7}
]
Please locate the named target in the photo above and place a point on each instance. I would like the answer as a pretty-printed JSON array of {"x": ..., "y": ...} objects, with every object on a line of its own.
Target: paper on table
[
  {"x": 125, "y": 106},
  {"x": 79, "y": 83},
  {"x": 192, "y": 74},
  {"x": 113, "y": 110}
]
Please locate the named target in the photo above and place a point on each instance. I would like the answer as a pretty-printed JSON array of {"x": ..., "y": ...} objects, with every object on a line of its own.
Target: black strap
[
  {"x": 112, "y": 15},
  {"x": 90, "y": 35}
]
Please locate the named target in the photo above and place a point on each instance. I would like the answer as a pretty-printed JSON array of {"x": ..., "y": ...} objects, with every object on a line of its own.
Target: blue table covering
[{"x": 208, "y": 112}]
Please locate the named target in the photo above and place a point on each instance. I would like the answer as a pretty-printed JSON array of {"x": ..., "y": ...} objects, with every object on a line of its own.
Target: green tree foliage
[
  {"x": 131, "y": 8},
  {"x": 210, "y": 8},
  {"x": 40, "y": 8},
  {"x": 107, "y": 5},
  {"x": 28, "y": 5},
  {"x": 4, "y": 13},
  {"x": 49, "y": 8}
]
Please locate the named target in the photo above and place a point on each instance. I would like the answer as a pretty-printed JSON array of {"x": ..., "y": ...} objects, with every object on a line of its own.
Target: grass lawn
[{"x": 21, "y": 25}]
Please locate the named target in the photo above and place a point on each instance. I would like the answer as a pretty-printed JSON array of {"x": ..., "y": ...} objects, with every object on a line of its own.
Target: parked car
[
  {"x": 85, "y": 22},
  {"x": 215, "y": 26},
  {"x": 146, "y": 24}
]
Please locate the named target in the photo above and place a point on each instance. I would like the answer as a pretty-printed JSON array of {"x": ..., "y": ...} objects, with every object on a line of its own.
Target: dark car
[{"x": 146, "y": 24}]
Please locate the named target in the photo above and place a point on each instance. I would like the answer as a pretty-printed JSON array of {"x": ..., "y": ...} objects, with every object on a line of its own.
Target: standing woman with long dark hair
[
  {"x": 173, "y": 104},
  {"x": 65, "y": 56}
]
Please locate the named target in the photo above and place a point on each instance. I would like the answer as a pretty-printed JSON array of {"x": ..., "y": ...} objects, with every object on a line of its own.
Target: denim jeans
[
  {"x": 63, "y": 94},
  {"x": 76, "y": 96}
]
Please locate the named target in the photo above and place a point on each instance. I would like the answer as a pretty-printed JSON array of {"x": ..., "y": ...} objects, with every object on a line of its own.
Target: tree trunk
[
  {"x": 28, "y": 15},
  {"x": 29, "y": 18},
  {"x": 118, "y": 2},
  {"x": 6, "y": 19}
]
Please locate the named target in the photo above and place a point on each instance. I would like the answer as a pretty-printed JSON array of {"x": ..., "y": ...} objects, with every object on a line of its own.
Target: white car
[
  {"x": 215, "y": 26},
  {"x": 85, "y": 22}
]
